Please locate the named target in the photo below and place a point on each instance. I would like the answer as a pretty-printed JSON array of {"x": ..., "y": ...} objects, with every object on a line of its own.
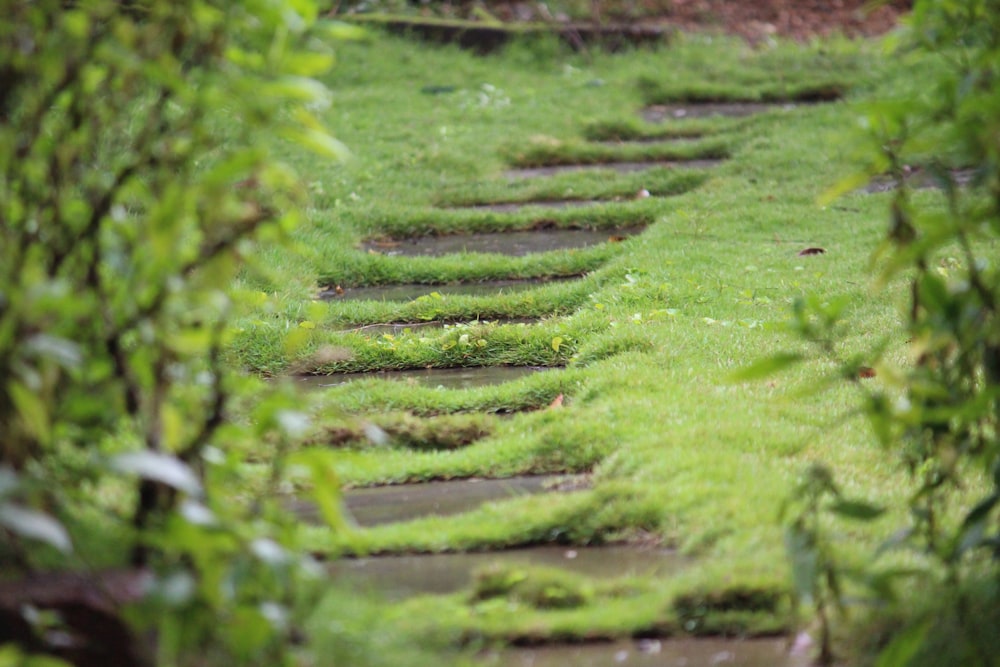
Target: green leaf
[
  {"x": 325, "y": 487},
  {"x": 32, "y": 410},
  {"x": 318, "y": 142},
  {"x": 158, "y": 467},
  {"x": 35, "y": 525},
  {"x": 904, "y": 647},
  {"x": 308, "y": 64},
  {"x": 857, "y": 509},
  {"x": 299, "y": 88},
  {"x": 340, "y": 31},
  {"x": 766, "y": 367},
  {"x": 804, "y": 559},
  {"x": 9, "y": 480},
  {"x": 247, "y": 632},
  {"x": 843, "y": 186},
  {"x": 896, "y": 540},
  {"x": 557, "y": 343},
  {"x": 971, "y": 536}
]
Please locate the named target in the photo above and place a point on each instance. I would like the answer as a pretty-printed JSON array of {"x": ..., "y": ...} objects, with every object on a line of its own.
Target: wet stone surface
[
  {"x": 398, "y": 328},
  {"x": 620, "y": 167},
  {"x": 387, "y": 504},
  {"x": 508, "y": 243},
  {"x": 659, "y": 113},
  {"x": 414, "y": 291},
  {"x": 449, "y": 378},
  {"x": 512, "y": 207},
  {"x": 920, "y": 180},
  {"x": 654, "y": 653},
  {"x": 397, "y": 577},
  {"x": 649, "y": 141}
]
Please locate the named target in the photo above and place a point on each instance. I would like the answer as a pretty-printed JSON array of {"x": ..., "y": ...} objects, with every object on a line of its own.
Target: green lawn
[{"x": 649, "y": 335}]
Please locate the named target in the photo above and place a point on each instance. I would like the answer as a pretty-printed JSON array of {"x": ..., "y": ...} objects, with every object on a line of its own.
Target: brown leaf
[
  {"x": 556, "y": 403},
  {"x": 811, "y": 251},
  {"x": 866, "y": 372}
]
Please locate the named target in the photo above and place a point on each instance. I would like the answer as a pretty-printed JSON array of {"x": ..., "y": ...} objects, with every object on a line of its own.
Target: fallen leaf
[
  {"x": 866, "y": 372},
  {"x": 811, "y": 251},
  {"x": 556, "y": 403}
]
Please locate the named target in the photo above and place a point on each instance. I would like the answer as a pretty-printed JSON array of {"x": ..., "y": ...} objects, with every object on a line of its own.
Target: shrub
[{"x": 138, "y": 170}]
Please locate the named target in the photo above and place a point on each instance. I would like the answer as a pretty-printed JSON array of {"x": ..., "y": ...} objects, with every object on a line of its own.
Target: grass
[{"x": 649, "y": 334}]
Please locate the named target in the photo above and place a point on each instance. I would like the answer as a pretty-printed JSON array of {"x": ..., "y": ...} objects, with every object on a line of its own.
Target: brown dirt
[
  {"x": 755, "y": 20},
  {"x": 799, "y": 19}
]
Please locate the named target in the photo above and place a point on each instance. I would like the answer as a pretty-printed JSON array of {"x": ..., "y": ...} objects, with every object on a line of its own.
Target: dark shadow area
[
  {"x": 516, "y": 244},
  {"x": 449, "y": 378}
]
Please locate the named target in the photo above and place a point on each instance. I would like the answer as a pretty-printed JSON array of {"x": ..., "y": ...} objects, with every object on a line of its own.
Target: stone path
[{"x": 400, "y": 576}]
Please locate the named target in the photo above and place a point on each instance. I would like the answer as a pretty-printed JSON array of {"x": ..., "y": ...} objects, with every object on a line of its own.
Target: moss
[
  {"x": 541, "y": 588},
  {"x": 409, "y": 431}
]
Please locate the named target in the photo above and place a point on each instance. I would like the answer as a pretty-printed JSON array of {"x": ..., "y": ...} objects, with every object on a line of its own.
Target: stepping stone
[
  {"x": 649, "y": 141},
  {"x": 449, "y": 378},
  {"x": 511, "y": 207},
  {"x": 397, "y": 577},
  {"x": 413, "y": 291},
  {"x": 659, "y": 113},
  {"x": 621, "y": 167},
  {"x": 919, "y": 179},
  {"x": 387, "y": 504},
  {"x": 656, "y": 653},
  {"x": 397, "y": 328},
  {"x": 516, "y": 244}
]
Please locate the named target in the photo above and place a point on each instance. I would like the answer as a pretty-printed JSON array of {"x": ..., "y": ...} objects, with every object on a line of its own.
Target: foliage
[
  {"x": 940, "y": 412},
  {"x": 136, "y": 176},
  {"x": 809, "y": 543}
]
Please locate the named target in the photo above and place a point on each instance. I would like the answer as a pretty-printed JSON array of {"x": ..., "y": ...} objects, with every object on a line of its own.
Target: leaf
[
  {"x": 293, "y": 423},
  {"x": 325, "y": 487},
  {"x": 857, "y": 509},
  {"x": 896, "y": 540},
  {"x": 300, "y": 89},
  {"x": 971, "y": 536},
  {"x": 269, "y": 552},
  {"x": 340, "y": 31},
  {"x": 843, "y": 186},
  {"x": 158, "y": 467},
  {"x": 32, "y": 410},
  {"x": 979, "y": 513},
  {"x": 766, "y": 366},
  {"x": 9, "y": 480},
  {"x": 64, "y": 352},
  {"x": 804, "y": 560},
  {"x": 35, "y": 525},
  {"x": 196, "y": 513},
  {"x": 811, "y": 251},
  {"x": 557, "y": 343},
  {"x": 308, "y": 64},
  {"x": 318, "y": 142},
  {"x": 904, "y": 647}
]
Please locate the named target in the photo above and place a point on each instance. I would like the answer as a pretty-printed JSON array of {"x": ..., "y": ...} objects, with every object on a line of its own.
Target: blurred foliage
[
  {"x": 138, "y": 172},
  {"x": 941, "y": 411}
]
